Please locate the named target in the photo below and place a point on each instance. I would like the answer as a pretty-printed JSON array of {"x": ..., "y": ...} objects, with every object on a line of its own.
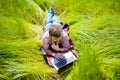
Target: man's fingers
[
  {"x": 58, "y": 58},
  {"x": 53, "y": 45},
  {"x": 61, "y": 56},
  {"x": 57, "y": 44}
]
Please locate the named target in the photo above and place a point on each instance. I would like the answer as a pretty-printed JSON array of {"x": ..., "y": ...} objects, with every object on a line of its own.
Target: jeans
[{"x": 51, "y": 19}]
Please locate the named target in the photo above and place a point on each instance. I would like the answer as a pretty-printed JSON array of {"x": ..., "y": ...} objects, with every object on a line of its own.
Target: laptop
[{"x": 69, "y": 57}]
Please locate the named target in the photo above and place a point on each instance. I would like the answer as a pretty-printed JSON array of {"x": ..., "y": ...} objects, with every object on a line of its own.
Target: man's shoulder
[
  {"x": 64, "y": 34},
  {"x": 45, "y": 35}
]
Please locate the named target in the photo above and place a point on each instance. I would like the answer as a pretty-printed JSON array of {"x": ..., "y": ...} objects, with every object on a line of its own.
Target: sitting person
[{"x": 55, "y": 39}]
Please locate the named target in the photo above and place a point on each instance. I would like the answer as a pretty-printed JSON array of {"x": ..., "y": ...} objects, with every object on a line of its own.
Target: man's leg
[
  {"x": 50, "y": 16},
  {"x": 54, "y": 19},
  {"x": 56, "y": 22},
  {"x": 49, "y": 20}
]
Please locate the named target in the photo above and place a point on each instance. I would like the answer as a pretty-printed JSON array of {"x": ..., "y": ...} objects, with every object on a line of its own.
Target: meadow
[{"x": 94, "y": 30}]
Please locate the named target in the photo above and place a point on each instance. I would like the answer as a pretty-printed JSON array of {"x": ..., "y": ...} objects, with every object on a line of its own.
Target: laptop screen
[{"x": 68, "y": 58}]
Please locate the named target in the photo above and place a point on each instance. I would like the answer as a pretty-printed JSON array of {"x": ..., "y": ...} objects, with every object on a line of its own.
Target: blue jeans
[{"x": 51, "y": 19}]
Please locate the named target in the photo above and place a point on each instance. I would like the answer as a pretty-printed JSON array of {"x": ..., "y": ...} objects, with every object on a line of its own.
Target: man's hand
[
  {"x": 55, "y": 47},
  {"x": 59, "y": 56},
  {"x": 75, "y": 53}
]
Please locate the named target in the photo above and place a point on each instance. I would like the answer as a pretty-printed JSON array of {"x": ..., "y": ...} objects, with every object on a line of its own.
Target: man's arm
[
  {"x": 65, "y": 43},
  {"x": 64, "y": 49},
  {"x": 58, "y": 56},
  {"x": 56, "y": 47},
  {"x": 45, "y": 44},
  {"x": 49, "y": 52}
]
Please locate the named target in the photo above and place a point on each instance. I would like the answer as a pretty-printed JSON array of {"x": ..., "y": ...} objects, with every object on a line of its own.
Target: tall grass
[
  {"x": 94, "y": 29},
  {"x": 95, "y": 33},
  {"x": 99, "y": 57},
  {"x": 21, "y": 24}
]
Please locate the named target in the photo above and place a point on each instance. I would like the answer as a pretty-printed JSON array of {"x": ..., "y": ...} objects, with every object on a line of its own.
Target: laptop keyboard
[{"x": 64, "y": 62}]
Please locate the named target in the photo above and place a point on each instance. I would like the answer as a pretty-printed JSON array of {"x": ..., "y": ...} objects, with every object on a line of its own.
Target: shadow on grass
[{"x": 65, "y": 71}]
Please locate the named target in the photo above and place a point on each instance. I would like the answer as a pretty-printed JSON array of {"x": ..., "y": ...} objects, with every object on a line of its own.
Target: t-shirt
[{"x": 46, "y": 40}]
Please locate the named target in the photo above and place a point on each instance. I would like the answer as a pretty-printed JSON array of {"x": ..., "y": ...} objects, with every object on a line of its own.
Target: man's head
[{"x": 55, "y": 32}]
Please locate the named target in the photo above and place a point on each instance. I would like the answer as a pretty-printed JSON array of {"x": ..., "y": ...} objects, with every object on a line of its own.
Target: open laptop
[{"x": 69, "y": 57}]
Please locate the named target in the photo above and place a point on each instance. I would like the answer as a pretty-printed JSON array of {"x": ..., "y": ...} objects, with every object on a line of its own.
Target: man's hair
[{"x": 55, "y": 30}]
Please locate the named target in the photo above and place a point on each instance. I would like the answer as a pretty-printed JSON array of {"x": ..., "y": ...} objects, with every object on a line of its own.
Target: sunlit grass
[
  {"x": 21, "y": 29},
  {"x": 94, "y": 29}
]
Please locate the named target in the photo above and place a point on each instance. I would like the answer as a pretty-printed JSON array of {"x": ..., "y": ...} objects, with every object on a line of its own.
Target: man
[{"x": 55, "y": 40}]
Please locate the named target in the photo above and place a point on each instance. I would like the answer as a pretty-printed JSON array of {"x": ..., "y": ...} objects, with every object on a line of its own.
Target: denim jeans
[{"x": 51, "y": 19}]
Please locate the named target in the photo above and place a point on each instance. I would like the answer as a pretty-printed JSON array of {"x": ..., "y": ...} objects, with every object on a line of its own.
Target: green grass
[
  {"x": 20, "y": 55},
  {"x": 94, "y": 29}
]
